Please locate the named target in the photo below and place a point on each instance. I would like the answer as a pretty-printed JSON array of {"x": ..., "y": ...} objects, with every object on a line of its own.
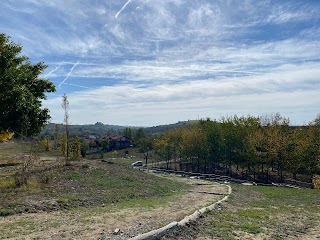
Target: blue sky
[{"x": 148, "y": 62}]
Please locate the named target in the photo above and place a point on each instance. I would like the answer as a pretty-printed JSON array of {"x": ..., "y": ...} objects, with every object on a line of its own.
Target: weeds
[
  {"x": 7, "y": 183},
  {"x": 6, "y": 212}
]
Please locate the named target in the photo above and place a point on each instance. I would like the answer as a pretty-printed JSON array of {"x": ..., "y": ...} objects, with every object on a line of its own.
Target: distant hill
[
  {"x": 100, "y": 129},
  {"x": 158, "y": 130}
]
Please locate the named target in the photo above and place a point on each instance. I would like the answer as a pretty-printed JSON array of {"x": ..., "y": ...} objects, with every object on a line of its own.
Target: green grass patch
[
  {"x": 6, "y": 212},
  {"x": 270, "y": 211},
  {"x": 251, "y": 228},
  {"x": 7, "y": 183},
  {"x": 73, "y": 176},
  {"x": 66, "y": 201}
]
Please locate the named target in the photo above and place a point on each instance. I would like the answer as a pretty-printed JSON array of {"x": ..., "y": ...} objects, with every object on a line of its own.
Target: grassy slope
[
  {"x": 255, "y": 212},
  {"x": 80, "y": 192},
  {"x": 85, "y": 184}
]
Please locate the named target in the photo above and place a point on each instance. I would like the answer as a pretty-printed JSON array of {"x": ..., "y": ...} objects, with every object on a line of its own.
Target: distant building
[
  {"x": 119, "y": 142},
  {"x": 91, "y": 139}
]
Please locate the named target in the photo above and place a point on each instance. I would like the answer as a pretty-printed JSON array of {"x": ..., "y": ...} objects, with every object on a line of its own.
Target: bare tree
[{"x": 65, "y": 106}]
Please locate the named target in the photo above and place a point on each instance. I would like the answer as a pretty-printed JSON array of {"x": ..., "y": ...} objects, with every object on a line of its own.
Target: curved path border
[{"x": 154, "y": 234}]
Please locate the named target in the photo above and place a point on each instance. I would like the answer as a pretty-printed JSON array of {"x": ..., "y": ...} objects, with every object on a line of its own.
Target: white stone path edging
[{"x": 191, "y": 218}]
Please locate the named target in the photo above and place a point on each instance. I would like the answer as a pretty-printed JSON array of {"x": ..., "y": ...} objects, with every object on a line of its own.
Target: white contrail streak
[
  {"x": 52, "y": 71},
  {"x": 124, "y": 6},
  {"x": 75, "y": 85},
  {"x": 69, "y": 73}
]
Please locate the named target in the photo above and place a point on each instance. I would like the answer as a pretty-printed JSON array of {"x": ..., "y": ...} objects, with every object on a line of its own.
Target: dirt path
[{"x": 97, "y": 223}]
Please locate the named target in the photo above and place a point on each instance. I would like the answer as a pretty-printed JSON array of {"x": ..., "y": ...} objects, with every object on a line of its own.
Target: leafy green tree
[
  {"x": 21, "y": 90},
  {"x": 127, "y": 132},
  {"x": 163, "y": 149},
  {"x": 84, "y": 147},
  {"x": 215, "y": 142},
  {"x": 234, "y": 133},
  {"x": 139, "y": 134},
  {"x": 277, "y": 144},
  {"x": 311, "y": 159},
  {"x": 145, "y": 146},
  {"x": 105, "y": 143},
  {"x": 246, "y": 127},
  {"x": 256, "y": 152},
  {"x": 174, "y": 138},
  {"x": 194, "y": 147},
  {"x": 298, "y": 145}
]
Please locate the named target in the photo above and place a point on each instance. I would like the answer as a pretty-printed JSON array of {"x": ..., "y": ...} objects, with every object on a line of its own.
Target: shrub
[
  {"x": 6, "y": 212},
  {"x": 46, "y": 144},
  {"x": 6, "y": 135},
  {"x": 316, "y": 181}
]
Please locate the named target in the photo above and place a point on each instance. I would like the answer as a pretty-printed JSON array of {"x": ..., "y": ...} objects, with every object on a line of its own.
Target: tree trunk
[
  {"x": 205, "y": 165},
  {"x": 198, "y": 164},
  {"x": 146, "y": 158}
]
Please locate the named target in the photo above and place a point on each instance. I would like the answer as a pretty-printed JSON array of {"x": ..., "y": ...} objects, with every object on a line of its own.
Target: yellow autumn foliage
[
  {"x": 5, "y": 135},
  {"x": 316, "y": 181}
]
